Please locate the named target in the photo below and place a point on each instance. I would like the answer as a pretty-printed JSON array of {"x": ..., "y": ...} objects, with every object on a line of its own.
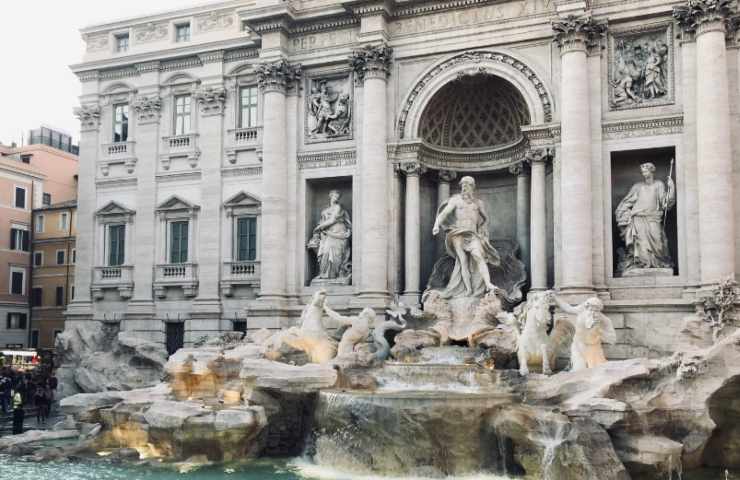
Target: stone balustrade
[
  {"x": 246, "y": 273},
  {"x": 120, "y": 277},
  {"x": 183, "y": 275}
]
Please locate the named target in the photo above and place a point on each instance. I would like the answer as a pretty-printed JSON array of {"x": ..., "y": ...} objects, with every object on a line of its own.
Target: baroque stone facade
[{"x": 238, "y": 134}]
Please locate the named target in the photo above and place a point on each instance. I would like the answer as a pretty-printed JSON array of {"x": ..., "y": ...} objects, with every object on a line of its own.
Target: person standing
[{"x": 18, "y": 413}]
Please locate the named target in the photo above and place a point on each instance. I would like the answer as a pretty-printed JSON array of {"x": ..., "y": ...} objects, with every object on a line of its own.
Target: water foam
[{"x": 306, "y": 469}]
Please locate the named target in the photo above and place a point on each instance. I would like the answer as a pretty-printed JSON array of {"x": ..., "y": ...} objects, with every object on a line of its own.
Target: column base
[
  {"x": 376, "y": 300},
  {"x": 576, "y": 294},
  {"x": 411, "y": 299}
]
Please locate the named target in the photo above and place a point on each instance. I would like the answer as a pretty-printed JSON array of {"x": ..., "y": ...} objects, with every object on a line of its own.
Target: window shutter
[
  {"x": 25, "y": 237},
  {"x": 252, "y": 239},
  {"x": 12, "y": 238},
  {"x": 121, "y": 244},
  {"x": 8, "y": 320},
  {"x": 22, "y": 321}
]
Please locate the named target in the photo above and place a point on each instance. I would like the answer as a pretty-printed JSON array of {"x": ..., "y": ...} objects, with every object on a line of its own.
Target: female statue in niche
[
  {"x": 641, "y": 221},
  {"x": 330, "y": 241}
]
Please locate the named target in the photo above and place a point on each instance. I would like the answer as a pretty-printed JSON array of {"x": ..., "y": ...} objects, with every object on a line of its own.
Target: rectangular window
[
  {"x": 246, "y": 239},
  {"x": 74, "y": 256},
  {"x": 46, "y": 199},
  {"x": 26, "y": 158},
  {"x": 60, "y": 296},
  {"x": 63, "y": 219},
  {"x": 182, "y": 114},
  {"x": 247, "y": 107},
  {"x": 20, "y": 197},
  {"x": 40, "y": 223},
  {"x": 179, "y": 242},
  {"x": 116, "y": 245},
  {"x": 60, "y": 257},
  {"x": 120, "y": 122},
  {"x": 35, "y": 339},
  {"x": 17, "y": 282},
  {"x": 38, "y": 259},
  {"x": 122, "y": 42},
  {"x": 182, "y": 32},
  {"x": 19, "y": 239},
  {"x": 16, "y": 321},
  {"x": 72, "y": 296},
  {"x": 37, "y": 296}
]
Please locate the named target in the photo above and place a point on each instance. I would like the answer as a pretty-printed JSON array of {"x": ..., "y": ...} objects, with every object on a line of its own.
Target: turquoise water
[{"x": 14, "y": 469}]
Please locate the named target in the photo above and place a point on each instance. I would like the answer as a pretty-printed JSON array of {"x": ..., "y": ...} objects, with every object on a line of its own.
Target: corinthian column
[
  {"x": 522, "y": 209},
  {"x": 372, "y": 66},
  {"x": 573, "y": 35},
  {"x": 538, "y": 221},
  {"x": 412, "y": 237},
  {"x": 707, "y": 19},
  {"x": 274, "y": 79}
]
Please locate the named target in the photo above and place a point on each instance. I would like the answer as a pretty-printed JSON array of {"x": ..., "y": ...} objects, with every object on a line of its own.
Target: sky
[{"x": 39, "y": 39}]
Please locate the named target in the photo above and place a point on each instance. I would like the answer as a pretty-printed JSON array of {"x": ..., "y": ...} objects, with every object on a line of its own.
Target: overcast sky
[{"x": 39, "y": 39}]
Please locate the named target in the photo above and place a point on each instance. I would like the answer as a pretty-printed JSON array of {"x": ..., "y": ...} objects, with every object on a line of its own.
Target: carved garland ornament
[
  {"x": 371, "y": 61},
  {"x": 89, "y": 116},
  {"x": 278, "y": 76},
  {"x": 474, "y": 58}
]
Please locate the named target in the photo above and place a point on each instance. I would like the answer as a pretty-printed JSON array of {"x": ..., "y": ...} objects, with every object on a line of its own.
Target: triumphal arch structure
[{"x": 240, "y": 156}]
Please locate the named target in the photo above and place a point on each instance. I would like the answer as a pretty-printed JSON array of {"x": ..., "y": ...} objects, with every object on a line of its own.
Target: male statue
[
  {"x": 464, "y": 219},
  {"x": 640, "y": 218}
]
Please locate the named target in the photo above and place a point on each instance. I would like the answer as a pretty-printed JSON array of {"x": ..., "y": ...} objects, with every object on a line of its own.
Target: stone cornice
[
  {"x": 327, "y": 159},
  {"x": 367, "y": 8},
  {"x": 669, "y": 125},
  {"x": 434, "y": 6},
  {"x": 577, "y": 32},
  {"x": 371, "y": 61},
  {"x": 278, "y": 76},
  {"x": 701, "y": 16}
]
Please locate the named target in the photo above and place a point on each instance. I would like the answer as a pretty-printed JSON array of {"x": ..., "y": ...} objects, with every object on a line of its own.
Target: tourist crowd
[{"x": 20, "y": 391}]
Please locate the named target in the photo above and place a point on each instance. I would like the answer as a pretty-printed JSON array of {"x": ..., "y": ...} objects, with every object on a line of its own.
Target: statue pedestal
[
  {"x": 325, "y": 282},
  {"x": 648, "y": 272}
]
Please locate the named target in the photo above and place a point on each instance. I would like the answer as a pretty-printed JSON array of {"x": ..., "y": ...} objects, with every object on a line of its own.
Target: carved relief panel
[
  {"x": 641, "y": 64},
  {"x": 329, "y": 104}
]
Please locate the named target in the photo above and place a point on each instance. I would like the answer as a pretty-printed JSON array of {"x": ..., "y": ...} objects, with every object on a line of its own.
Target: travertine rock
[{"x": 306, "y": 378}]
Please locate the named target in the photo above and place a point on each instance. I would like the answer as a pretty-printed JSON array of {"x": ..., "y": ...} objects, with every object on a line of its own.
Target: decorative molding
[
  {"x": 327, "y": 159},
  {"x": 151, "y": 32},
  {"x": 474, "y": 58},
  {"x": 147, "y": 67},
  {"x": 539, "y": 155},
  {"x": 215, "y": 20},
  {"x": 180, "y": 64},
  {"x": 240, "y": 54},
  {"x": 477, "y": 161},
  {"x": 371, "y": 61},
  {"x": 446, "y": 176},
  {"x": 96, "y": 43},
  {"x": 278, "y": 76},
  {"x": 88, "y": 76},
  {"x": 700, "y": 16},
  {"x": 641, "y": 67},
  {"x": 89, "y": 116},
  {"x": 148, "y": 108},
  {"x": 332, "y": 24},
  {"x": 411, "y": 169},
  {"x": 117, "y": 73},
  {"x": 211, "y": 100},
  {"x": 575, "y": 32},
  {"x": 115, "y": 183},
  {"x": 672, "y": 125},
  {"x": 170, "y": 177},
  {"x": 253, "y": 171},
  {"x": 215, "y": 56}
]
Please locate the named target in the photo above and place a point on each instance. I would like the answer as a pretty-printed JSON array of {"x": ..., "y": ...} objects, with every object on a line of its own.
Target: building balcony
[
  {"x": 175, "y": 275},
  {"x": 180, "y": 146},
  {"x": 242, "y": 139},
  {"x": 119, "y": 278},
  {"x": 239, "y": 273},
  {"x": 118, "y": 152}
]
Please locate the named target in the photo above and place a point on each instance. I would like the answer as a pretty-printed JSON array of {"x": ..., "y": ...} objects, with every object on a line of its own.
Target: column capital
[
  {"x": 411, "y": 169},
  {"x": 538, "y": 155},
  {"x": 211, "y": 100},
  {"x": 519, "y": 168},
  {"x": 371, "y": 61},
  {"x": 147, "y": 108},
  {"x": 702, "y": 16},
  {"x": 89, "y": 116},
  {"x": 446, "y": 176},
  {"x": 278, "y": 76},
  {"x": 577, "y": 32}
]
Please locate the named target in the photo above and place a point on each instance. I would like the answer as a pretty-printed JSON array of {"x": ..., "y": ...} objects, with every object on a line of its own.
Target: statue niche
[
  {"x": 329, "y": 110},
  {"x": 330, "y": 242}
]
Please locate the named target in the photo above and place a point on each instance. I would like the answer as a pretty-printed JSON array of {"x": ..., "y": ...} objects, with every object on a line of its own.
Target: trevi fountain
[{"x": 361, "y": 239}]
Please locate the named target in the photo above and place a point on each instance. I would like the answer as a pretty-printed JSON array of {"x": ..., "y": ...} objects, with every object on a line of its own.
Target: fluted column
[
  {"x": 573, "y": 35},
  {"x": 372, "y": 66},
  {"x": 538, "y": 221},
  {"x": 412, "y": 230},
  {"x": 273, "y": 80},
  {"x": 521, "y": 171},
  {"x": 708, "y": 18}
]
